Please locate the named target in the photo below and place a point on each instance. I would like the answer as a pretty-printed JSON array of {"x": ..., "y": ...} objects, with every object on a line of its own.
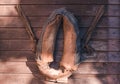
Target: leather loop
[
  {"x": 45, "y": 47},
  {"x": 46, "y": 44}
]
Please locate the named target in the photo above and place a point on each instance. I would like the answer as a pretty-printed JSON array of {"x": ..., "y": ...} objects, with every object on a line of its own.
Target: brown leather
[
  {"x": 46, "y": 44},
  {"x": 48, "y": 39},
  {"x": 71, "y": 34}
]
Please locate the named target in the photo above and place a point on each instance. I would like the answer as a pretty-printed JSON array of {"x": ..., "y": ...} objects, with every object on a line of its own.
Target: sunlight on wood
[
  {"x": 9, "y": 1},
  {"x": 17, "y": 62},
  {"x": 16, "y": 78},
  {"x": 86, "y": 68},
  {"x": 8, "y": 10},
  {"x": 94, "y": 80}
]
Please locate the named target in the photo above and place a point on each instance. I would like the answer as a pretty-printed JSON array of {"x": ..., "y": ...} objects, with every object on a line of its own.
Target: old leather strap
[{"x": 46, "y": 44}]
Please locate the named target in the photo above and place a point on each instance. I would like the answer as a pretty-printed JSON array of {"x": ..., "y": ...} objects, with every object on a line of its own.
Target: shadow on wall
[{"x": 15, "y": 45}]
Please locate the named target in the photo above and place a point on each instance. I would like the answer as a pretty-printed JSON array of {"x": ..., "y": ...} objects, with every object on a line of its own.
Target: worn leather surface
[{"x": 46, "y": 44}]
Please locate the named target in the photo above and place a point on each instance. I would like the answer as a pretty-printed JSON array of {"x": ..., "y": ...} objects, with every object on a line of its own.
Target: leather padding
[{"x": 46, "y": 44}]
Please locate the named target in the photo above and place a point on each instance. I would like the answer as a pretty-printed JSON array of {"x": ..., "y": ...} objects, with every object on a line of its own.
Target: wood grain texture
[
  {"x": 84, "y": 68},
  {"x": 75, "y": 79},
  {"x": 21, "y": 79},
  {"x": 17, "y": 61},
  {"x": 23, "y": 56},
  {"x": 15, "y": 45},
  {"x": 46, "y": 10},
  {"x": 112, "y": 56},
  {"x": 39, "y": 21},
  {"x": 16, "y": 56},
  {"x": 110, "y": 45},
  {"x": 113, "y": 79},
  {"x": 21, "y": 34},
  {"x": 60, "y": 2},
  {"x": 97, "y": 79}
]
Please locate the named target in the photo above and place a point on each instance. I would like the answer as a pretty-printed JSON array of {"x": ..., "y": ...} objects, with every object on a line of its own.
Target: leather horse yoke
[{"x": 46, "y": 44}]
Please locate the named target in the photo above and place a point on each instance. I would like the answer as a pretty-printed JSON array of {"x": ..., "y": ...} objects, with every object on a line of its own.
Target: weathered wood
[
  {"x": 21, "y": 79},
  {"x": 27, "y": 26},
  {"x": 84, "y": 68},
  {"x": 17, "y": 64},
  {"x": 42, "y": 10},
  {"x": 114, "y": 56},
  {"x": 88, "y": 34},
  {"x": 99, "y": 45},
  {"x": 60, "y": 2},
  {"x": 17, "y": 33},
  {"x": 23, "y": 56},
  {"x": 114, "y": 45},
  {"x": 13, "y": 33},
  {"x": 20, "y": 33},
  {"x": 29, "y": 56},
  {"x": 36, "y": 79},
  {"x": 39, "y": 21},
  {"x": 113, "y": 79},
  {"x": 113, "y": 68},
  {"x": 15, "y": 45},
  {"x": 91, "y": 68},
  {"x": 89, "y": 79},
  {"x": 98, "y": 68},
  {"x": 106, "y": 33},
  {"x": 18, "y": 67},
  {"x": 109, "y": 45},
  {"x": 29, "y": 78},
  {"x": 16, "y": 56},
  {"x": 97, "y": 79}
]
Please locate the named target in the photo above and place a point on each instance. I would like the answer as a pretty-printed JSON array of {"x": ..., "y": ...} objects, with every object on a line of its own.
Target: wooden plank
[
  {"x": 23, "y": 56},
  {"x": 20, "y": 33},
  {"x": 21, "y": 79},
  {"x": 9, "y": 2},
  {"x": 60, "y": 2},
  {"x": 17, "y": 33},
  {"x": 112, "y": 10},
  {"x": 39, "y": 21},
  {"x": 113, "y": 68},
  {"x": 12, "y": 67},
  {"x": 114, "y": 2},
  {"x": 84, "y": 68},
  {"x": 106, "y": 33},
  {"x": 110, "y": 45},
  {"x": 114, "y": 45},
  {"x": 98, "y": 45},
  {"x": 89, "y": 79},
  {"x": 46, "y": 10},
  {"x": 91, "y": 68},
  {"x": 18, "y": 67},
  {"x": 15, "y": 45},
  {"x": 35, "y": 79},
  {"x": 113, "y": 79},
  {"x": 114, "y": 56},
  {"x": 100, "y": 57},
  {"x": 42, "y": 10},
  {"x": 17, "y": 56},
  {"x": 13, "y": 34},
  {"x": 95, "y": 79},
  {"x": 99, "y": 68}
]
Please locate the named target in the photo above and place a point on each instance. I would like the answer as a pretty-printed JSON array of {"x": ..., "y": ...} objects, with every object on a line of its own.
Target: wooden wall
[{"x": 17, "y": 64}]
